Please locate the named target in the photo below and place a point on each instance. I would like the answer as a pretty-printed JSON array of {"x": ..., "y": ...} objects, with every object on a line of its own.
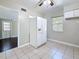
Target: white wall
[
  {"x": 23, "y": 28},
  {"x": 71, "y": 29},
  {"x": 0, "y": 28}
]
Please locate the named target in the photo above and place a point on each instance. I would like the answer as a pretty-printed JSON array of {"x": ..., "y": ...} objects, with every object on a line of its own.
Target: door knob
[{"x": 39, "y": 29}]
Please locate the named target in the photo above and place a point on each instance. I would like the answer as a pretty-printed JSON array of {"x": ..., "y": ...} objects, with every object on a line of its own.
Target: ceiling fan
[{"x": 41, "y": 2}]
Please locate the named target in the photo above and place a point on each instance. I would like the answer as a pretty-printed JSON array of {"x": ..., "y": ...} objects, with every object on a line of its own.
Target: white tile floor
[{"x": 51, "y": 50}]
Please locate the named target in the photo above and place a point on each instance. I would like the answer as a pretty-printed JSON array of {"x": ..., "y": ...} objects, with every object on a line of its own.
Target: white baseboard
[
  {"x": 23, "y": 45},
  {"x": 66, "y": 43}
]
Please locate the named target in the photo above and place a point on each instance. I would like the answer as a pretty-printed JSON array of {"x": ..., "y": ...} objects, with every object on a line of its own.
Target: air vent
[{"x": 23, "y": 9}]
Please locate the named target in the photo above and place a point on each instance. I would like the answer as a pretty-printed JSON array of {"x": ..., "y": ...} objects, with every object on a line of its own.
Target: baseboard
[
  {"x": 66, "y": 43},
  {"x": 23, "y": 45}
]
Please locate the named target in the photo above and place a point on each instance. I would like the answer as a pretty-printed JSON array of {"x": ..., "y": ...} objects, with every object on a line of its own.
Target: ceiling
[{"x": 46, "y": 10}]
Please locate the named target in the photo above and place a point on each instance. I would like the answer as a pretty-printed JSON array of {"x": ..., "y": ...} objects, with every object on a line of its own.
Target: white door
[
  {"x": 41, "y": 31},
  {"x": 44, "y": 30}
]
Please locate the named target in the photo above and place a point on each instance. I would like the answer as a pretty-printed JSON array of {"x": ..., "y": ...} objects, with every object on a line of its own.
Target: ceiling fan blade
[
  {"x": 51, "y": 3},
  {"x": 41, "y": 4}
]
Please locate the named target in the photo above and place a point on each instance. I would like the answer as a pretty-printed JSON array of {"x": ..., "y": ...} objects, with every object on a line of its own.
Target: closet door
[
  {"x": 41, "y": 31},
  {"x": 44, "y": 30}
]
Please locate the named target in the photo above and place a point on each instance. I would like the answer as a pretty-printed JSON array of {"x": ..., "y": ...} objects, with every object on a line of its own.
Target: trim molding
[
  {"x": 66, "y": 43},
  {"x": 23, "y": 45}
]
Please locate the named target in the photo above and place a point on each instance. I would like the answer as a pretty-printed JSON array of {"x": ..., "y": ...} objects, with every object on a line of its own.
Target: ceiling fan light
[
  {"x": 49, "y": 1},
  {"x": 23, "y": 9}
]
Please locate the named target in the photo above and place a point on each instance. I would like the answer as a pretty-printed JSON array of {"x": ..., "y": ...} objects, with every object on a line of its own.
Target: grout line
[
  {"x": 25, "y": 53},
  {"x": 5, "y": 55},
  {"x": 64, "y": 52},
  {"x": 16, "y": 55},
  {"x": 56, "y": 50},
  {"x": 73, "y": 53}
]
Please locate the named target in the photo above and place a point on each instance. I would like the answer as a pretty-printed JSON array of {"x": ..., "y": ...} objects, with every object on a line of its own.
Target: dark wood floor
[{"x": 8, "y": 43}]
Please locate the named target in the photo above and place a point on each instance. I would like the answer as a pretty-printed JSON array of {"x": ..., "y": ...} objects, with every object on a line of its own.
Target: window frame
[
  {"x": 57, "y": 23},
  {"x": 6, "y": 26}
]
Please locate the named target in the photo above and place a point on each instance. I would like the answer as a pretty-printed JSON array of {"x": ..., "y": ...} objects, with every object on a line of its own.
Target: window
[
  {"x": 58, "y": 24},
  {"x": 6, "y": 26}
]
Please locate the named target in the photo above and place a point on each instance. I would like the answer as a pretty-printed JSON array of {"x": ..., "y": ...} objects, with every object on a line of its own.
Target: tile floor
[{"x": 51, "y": 50}]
